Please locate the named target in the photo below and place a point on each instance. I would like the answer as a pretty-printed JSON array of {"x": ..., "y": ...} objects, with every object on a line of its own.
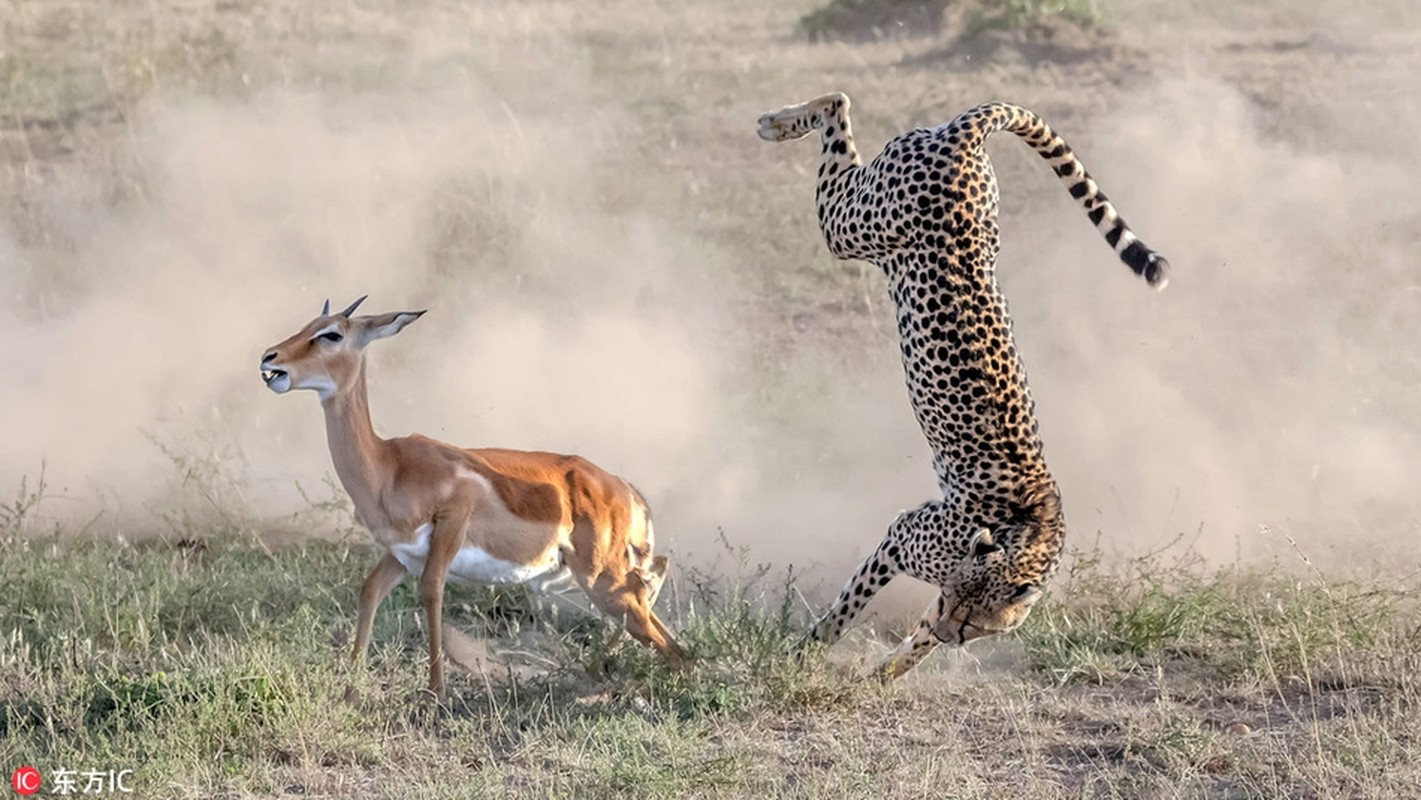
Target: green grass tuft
[{"x": 1236, "y": 623}]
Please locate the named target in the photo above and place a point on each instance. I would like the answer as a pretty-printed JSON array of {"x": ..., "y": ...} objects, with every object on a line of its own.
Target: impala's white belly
[{"x": 475, "y": 565}]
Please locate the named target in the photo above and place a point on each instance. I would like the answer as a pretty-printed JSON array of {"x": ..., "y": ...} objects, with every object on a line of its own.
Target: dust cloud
[
  {"x": 1271, "y": 386},
  {"x": 564, "y": 314},
  {"x": 1271, "y": 391}
]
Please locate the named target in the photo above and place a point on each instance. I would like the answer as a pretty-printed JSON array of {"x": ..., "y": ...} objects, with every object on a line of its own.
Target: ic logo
[{"x": 26, "y": 780}]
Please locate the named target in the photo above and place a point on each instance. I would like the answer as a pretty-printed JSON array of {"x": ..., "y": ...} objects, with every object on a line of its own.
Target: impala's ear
[{"x": 380, "y": 326}]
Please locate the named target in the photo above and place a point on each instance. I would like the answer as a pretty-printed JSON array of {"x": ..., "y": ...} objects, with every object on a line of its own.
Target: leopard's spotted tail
[{"x": 991, "y": 117}]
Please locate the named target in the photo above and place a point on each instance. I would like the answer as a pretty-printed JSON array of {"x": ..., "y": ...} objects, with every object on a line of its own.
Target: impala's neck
[{"x": 355, "y": 449}]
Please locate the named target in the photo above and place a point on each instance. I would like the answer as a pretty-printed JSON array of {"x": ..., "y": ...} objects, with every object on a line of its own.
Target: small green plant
[
  {"x": 872, "y": 19},
  {"x": 17, "y": 516},
  {"x": 208, "y": 485},
  {"x": 1182, "y": 745},
  {"x": 857, "y": 19},
  {"x": 333, "y": 509},
  {"x": 1021, "y": 13},
  {"x": 1026, "y": 15}
]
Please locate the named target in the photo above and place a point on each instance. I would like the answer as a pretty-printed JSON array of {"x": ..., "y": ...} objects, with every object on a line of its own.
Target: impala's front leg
[
  {"x": 385, "y": 576},
  {"x": 444, "y": 544}
]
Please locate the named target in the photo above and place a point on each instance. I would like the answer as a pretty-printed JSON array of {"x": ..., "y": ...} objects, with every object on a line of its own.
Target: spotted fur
[{"x": 925, "y": 212}]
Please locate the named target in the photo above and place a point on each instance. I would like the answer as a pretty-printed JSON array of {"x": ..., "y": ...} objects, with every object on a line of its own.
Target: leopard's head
[{"x": 1003, "y": 574}]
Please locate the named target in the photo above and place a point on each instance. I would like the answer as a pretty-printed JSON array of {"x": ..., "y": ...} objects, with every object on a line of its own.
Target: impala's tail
[{"x": 987, "y": 119}]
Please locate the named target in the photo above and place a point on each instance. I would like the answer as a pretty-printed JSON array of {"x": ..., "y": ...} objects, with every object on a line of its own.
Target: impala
[{"x": 486, "y": 515}]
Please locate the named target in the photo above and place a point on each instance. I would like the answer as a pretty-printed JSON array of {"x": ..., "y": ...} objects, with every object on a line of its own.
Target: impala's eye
[{"x": 331, "y": 336}]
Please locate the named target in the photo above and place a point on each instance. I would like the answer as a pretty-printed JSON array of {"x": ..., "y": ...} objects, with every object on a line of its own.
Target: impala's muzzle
[{"x": 276, "y": 379}]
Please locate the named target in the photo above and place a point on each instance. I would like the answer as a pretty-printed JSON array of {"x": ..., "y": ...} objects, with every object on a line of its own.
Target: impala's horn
[
  {"x": 346, "y": 313},
  {"x": 326, "y": 309}
]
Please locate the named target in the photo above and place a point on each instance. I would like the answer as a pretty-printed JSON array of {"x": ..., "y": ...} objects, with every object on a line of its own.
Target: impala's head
[
  {"x": 1001, "y": 576},
  {"x": 325, "y": 356}
]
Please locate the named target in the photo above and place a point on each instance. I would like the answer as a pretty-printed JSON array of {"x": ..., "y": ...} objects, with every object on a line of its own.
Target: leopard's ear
[{"x": 982, "y": 544}]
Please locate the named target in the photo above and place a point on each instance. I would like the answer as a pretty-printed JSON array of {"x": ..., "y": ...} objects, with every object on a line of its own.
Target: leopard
[{"x": 925, "y": 212}]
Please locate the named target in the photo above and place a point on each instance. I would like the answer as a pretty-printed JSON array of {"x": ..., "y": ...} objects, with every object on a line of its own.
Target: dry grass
[{"x": 215, "y": 667}]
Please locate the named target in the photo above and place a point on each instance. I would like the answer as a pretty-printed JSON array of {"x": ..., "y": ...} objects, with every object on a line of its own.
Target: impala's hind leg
[
  {"x": 654, "y": 577},
  {"x": 623, "y": 590},
  {"x": 627, "y": 602}
]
